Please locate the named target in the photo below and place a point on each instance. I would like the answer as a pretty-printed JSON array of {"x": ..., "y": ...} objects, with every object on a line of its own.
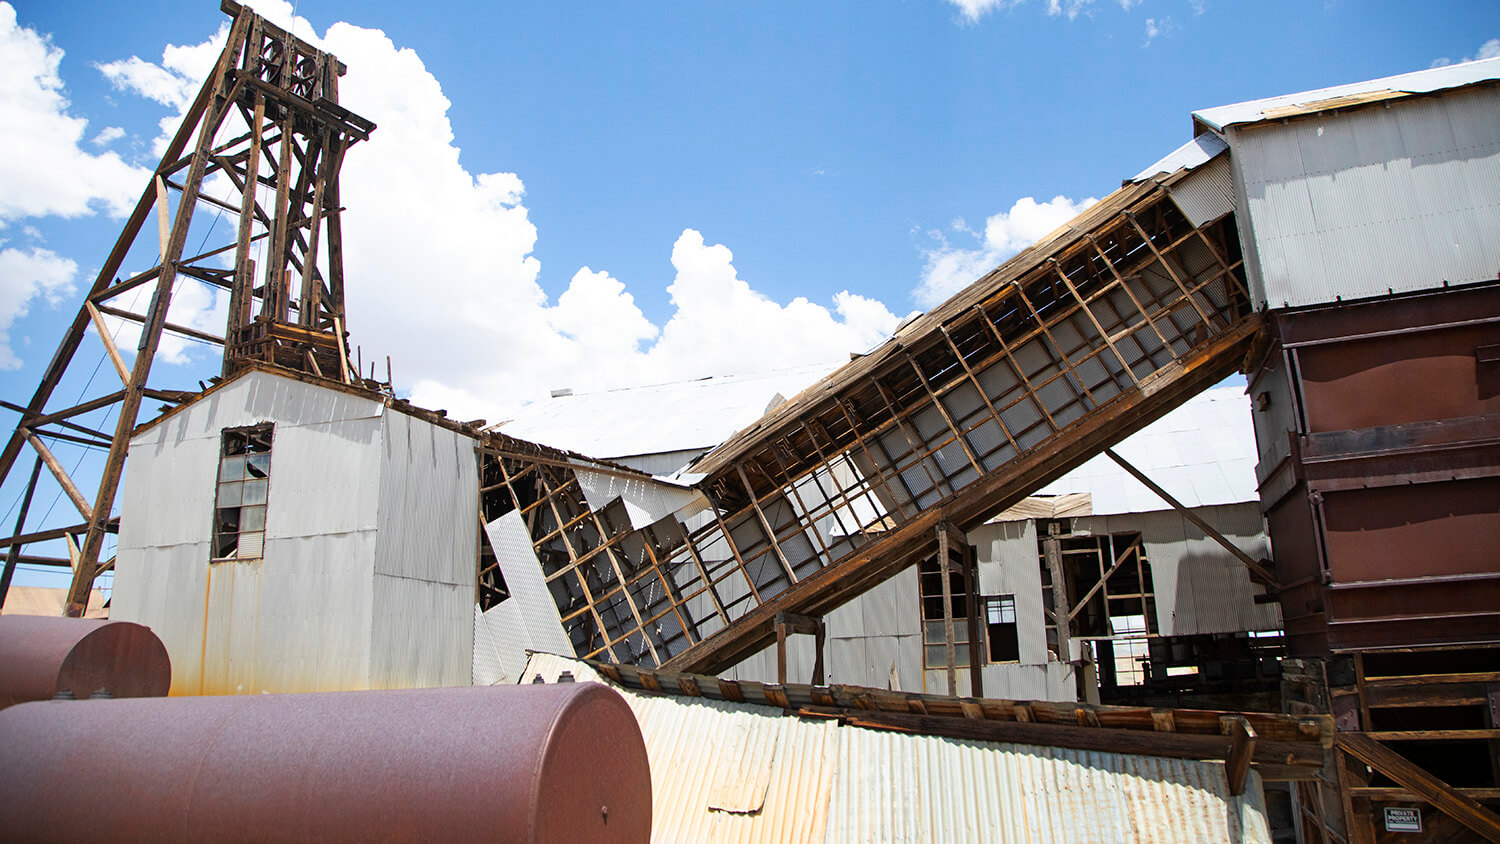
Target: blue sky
[{"x": 555, "y": 190}]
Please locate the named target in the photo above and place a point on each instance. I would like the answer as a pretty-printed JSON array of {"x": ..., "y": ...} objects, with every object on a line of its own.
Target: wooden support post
[
  {"x": 788, "y": 623},
  {"x": 1241, "y": 750},
  {"x": 971, "y": 600},
  {"x": 950, "y": 656},
  {"x": 1258, "y": 573},
  {"x": 1061, "y": 617},
  {"x": 1444, "y": 797}
]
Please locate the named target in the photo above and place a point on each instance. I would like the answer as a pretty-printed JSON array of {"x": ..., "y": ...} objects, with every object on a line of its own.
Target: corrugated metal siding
[
  {"x": 629, "y": 421},
  {"x": 1207, "y": 194},
  {"x": 866, "y": 636},
  {"x": 1421, "y": 81},
  {"x": 298, "y": 624},
  {"x": 1376, "y": 200},
  {"x": 645, "y": 501},
  {"x": 816, "y": 781},
  {"x": 297, "y": 621},
  {"x": 496, "y": 659},
  {"x": 1192, "y": 154},
  {"x": 1203, "y": 453},
  {"x": 539, "y": 625},
  {"x": 1009, "y": 565},
  {"x": 429, "y": 512},
  {"x": 325, "y": 477},
  {"x": 1199, "y": 587},
  {"x": 423, "y": 633}
]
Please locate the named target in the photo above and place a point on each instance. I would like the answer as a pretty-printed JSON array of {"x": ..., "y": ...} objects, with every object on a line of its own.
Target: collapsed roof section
[{"x": 1076, "y": 343}]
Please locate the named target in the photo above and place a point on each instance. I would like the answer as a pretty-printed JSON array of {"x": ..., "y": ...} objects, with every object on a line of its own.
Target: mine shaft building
[{"x": 285, "y": 533}]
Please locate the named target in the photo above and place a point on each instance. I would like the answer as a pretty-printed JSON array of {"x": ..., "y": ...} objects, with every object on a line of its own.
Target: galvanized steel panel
[
  {"x": 1203, "y": 453},
  {"x": 816, "y": 781},
  {"x": 1190, "y": 155},
  {"x": 645, "y": 501},
  {"x": 324, "y": 478},
  {"x": 155, "y": 587},
  {"x": 541, "y": 627},
  {"x": 422, "y": 633},
  {"x": 1372, "y": 201},
  {"x": 298, "y": 621},
  {"x": 630, "y": 422},
  {"x": 429, "y": 512},
  {"x": 1207, "y": 194}
]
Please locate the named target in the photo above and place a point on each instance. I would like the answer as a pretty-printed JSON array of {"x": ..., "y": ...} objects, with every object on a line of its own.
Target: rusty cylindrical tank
[
  {"x": 41, "y": 656},
  {"x": 562, "y": 763}
]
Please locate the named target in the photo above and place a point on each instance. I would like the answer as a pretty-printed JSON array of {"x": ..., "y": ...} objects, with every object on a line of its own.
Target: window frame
[{"x": 243, "y": 469}]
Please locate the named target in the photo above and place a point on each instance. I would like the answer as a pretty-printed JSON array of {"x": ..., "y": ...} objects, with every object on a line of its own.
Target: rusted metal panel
[
  {"x": 1384, "y": 515},
  {"x": 41, "y": 657},
  {"x": 562, "y": 763}
]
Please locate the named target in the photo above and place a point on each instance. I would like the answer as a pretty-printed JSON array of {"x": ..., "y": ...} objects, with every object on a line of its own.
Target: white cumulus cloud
[
  {"x": 1488, "y": 50},
  {"x": 43, "y": 170},
  {"x": 26, "y": 276},
  {"x": 440, "y": 271},
  {"x": 950, "y": 268}
]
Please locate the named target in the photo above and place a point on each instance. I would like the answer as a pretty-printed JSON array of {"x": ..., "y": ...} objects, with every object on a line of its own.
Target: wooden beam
[
  {"x": 109, "y": 343},
  {"x": 894, "y": 550},
  {"x": 1447, "y": 799},
  {"x": 12, "y": 556},
  {"x": 60, "y": 474},
  {"x": 1258, "y": 572},
  {"x": 1241, "y": 749}
]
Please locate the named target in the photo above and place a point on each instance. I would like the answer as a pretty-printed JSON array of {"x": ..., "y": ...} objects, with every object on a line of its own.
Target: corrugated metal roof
[
  {"x": 731, "y": 772},
  {"x": 1186, "y": 157},
  {"x": 630, "y": 421},
  {"x": 1342, "y": 96},
  {"x": 1202, "y": 453}
]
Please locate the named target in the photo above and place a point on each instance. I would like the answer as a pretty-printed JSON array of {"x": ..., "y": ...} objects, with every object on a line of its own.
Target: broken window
[
  {"x": 934, "y": 624},
  {"x": 1000, "y": 627},
  {"x": 240, "y": 498},
  {"x": 1111, "y": 602}
]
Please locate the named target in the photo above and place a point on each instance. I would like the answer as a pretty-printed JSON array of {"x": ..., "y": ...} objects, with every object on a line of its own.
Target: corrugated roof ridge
[{"x": 1412, "y": 83}]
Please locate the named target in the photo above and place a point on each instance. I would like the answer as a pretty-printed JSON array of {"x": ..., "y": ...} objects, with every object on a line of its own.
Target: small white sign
[{"x": 1403, "y": 820}]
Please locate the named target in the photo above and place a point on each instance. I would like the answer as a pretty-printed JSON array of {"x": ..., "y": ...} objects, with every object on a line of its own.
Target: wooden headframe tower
[{"x": 261, "y": 146}]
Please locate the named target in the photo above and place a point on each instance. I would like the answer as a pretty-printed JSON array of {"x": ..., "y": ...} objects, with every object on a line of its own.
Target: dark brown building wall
[{"x": 1379, "y": 427}]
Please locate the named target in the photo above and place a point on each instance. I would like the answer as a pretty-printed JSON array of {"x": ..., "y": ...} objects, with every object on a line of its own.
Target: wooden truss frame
[
  {"x": 1069, "y": 348},
  {"x": 270, "y": 138}
]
